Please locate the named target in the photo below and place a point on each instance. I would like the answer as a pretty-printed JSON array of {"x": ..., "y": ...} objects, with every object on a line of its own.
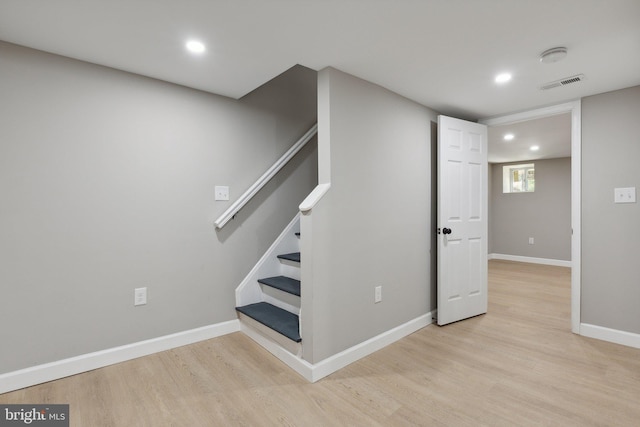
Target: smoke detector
[
  {"x": 552, "y": 55},
  {"x": 563, "y": 82}
]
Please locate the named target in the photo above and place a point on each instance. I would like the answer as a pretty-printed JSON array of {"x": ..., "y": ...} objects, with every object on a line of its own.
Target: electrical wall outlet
[
  {"x": 624, "y": 195},
  {"x": 378, "y": 294},
  {"x": 531, "y": 240},
  {"x": 139, "y": 296}
]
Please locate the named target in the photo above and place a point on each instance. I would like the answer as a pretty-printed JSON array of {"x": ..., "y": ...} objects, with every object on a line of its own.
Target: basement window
[{"x": 518, "y": 178}]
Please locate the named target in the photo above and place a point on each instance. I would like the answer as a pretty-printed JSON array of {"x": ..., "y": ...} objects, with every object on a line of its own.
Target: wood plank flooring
[{"x": 518, "y": 365}]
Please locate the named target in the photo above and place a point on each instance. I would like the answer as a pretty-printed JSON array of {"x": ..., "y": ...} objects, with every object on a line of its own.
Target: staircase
[{"x": 269, "y": 298}]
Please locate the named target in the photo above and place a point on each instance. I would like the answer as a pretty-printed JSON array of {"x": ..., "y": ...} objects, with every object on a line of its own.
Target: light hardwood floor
[{"x": 518, "y": 365}]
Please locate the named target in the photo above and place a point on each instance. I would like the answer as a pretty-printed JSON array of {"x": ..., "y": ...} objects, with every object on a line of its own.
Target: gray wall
[
  {"x": 544, "y": 214},
  {"x": 373, "y": 226},
  {"x": 107, "y": 183},
  {"x": 610, "y": 232}
]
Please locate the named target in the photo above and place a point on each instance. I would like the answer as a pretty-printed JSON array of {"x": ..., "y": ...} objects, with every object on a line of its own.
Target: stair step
[
  {"x": 285, "y": 284},
  {"x": 294, "y": 256},
  {"x": 279, "y": 320}
]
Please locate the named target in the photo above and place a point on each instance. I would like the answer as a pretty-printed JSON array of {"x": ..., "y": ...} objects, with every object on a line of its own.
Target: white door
[{"x": 462, "y": 219}]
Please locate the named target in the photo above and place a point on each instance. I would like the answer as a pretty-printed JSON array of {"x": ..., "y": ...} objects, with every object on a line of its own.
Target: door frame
[{"x": 573, "y": 107}]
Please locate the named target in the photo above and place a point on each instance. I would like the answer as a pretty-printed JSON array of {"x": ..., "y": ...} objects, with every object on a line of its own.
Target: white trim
[
  {"x": 350, "y": 355},
  {"x": 249, "y": 291},
  {"x": 612, "y": 335},
  {"x": 299, "y": 365},
  {"x": 576, "y": 214},
  {"x": 524, "y": 116},
  {"x": 575, "y": 108},
  {"x": 99, "y": 359},
  {"x": 315, "y": 372},
  {"x": 250, "y": 326},
  {"x": 265, "y": 178},
  {"x": 531, "y": 260},
  {"x": 314, "y": 197}
]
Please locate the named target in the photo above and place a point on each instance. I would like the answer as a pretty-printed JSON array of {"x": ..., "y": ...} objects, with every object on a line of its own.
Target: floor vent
[{"x": 563, "y": 82}]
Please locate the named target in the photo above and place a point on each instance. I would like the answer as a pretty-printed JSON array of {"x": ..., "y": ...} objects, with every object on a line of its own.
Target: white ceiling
[
  {"x": 551, "y": 134},
  {"x": 443, "y": 54}
]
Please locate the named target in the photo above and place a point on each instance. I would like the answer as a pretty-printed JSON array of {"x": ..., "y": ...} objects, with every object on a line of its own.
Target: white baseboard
[
  {"x": 350, "y": 355},
  {"x": 315, "y": 372},
  {"x": 99, "y": 359},
  {"x": 531, "y": 260},
  {"x": 612, "y": 335},
  {"x": 296, "y": 363},
  {"x": 312, "y": 372}
]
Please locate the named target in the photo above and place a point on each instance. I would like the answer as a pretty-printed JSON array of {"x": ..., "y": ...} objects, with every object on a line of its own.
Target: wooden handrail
[{"x": 265, "y": 178}]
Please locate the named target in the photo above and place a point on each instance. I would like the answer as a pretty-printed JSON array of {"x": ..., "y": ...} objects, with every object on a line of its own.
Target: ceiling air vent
[{"x": 563, "y": 82}]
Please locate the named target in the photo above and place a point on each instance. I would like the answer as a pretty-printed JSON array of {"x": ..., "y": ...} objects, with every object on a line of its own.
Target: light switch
[
  {"x": 139, "y": 296},
  {"x": 222, "y": 192},
  {"x": 624, "y": 195}
]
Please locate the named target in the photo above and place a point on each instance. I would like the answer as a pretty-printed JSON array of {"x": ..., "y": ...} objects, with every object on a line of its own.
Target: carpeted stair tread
[
  {"x": 294, "y": 256},
  {"x": 279, "y": 320},
  {"x": 285, "y": 284}
]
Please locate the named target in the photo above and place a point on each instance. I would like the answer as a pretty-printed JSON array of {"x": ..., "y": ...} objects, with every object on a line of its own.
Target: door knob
[{"x": 446, "y": 231}]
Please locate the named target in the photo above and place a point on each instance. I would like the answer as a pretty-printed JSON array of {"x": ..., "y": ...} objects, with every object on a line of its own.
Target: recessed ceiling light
[
  {"x": 194, "y": 46},
  {"x": 534, "y": 148},
  {"x": 503, "y": 78},
  {"x": 509, "y": 137}
]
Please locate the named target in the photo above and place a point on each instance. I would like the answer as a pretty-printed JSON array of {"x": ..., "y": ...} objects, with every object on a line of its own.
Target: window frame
[{"x": 508, "y": 182}]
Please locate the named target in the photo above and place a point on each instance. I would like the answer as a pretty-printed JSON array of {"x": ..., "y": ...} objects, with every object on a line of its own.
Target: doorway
[{"x": 574, "y": 108}]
